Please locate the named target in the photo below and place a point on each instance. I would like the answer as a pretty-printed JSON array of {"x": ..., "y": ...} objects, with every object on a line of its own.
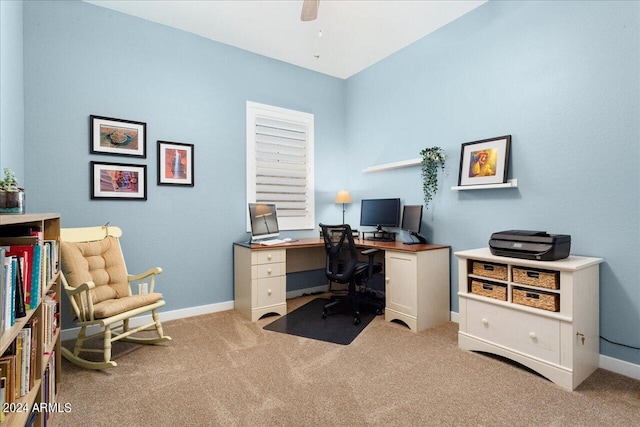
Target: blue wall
[
  {"x": 11, "y": 88},
  {"x": 81, "y": 59},
  {"x": 563, "y": 79}
]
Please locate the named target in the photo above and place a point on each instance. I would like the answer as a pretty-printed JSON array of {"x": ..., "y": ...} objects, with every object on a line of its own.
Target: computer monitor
[
  {"x": 411, "y": 218},
  {"x": 380, "y": 213},
  {"x": 412, "y": 222},
  {"x": 264, "y": 221}
]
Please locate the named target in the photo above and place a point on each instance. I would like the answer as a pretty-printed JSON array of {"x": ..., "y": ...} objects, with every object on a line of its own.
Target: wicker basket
[
  {"x": 539, "y": 278},
  {"x": 486, "y": 269},
  {"x": 537, "y": 299},
  {"x": 491, "y": 290}
]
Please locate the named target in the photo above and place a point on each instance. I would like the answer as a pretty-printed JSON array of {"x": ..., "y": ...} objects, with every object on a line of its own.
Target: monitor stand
[
  {"x": 379, "y": 235},
  {"x": 421, "y": 240}
]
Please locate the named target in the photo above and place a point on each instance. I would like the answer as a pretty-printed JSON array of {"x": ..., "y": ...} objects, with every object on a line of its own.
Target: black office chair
[{"x": 343, "y": 266}]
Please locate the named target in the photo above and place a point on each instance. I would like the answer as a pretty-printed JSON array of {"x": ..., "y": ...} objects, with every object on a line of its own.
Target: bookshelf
[{"x": 33, "y": 405}]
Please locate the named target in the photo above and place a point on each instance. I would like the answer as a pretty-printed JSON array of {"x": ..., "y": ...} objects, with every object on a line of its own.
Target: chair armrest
[
  {"x": 85, "y": 287},
  {"x": 80, "y": 299},
  {"x": 370, "y": 251},
  {"x": 153, "y": 272}
]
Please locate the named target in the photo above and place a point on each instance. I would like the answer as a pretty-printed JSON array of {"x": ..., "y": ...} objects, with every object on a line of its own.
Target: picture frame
[
  {"x": 485, "y": 161},
  {"x": 118, "y": 181},
  {"x": 118, "y": 137},
  {"x": 175, "y": 163}
]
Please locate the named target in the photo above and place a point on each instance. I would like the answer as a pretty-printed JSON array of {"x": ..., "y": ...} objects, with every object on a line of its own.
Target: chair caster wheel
[
  {"x": 378, "y": 312},
  {"x": 324, "y": 314},
  {"x": 356, "y": 321}
]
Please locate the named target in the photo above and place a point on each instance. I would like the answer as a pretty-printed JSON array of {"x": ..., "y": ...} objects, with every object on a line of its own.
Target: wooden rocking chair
[{"x": 96, "y": 281}]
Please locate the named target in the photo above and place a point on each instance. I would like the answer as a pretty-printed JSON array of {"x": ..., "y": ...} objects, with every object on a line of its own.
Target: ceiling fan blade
[{"x": 309, "y": 10}]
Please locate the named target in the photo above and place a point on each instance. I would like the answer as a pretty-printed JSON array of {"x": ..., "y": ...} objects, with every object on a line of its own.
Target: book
[
  {"x": 50, "y": 316},
  {"x": 7, "y": 364},
  {"x": 2, "y": 289},
  {"x": 8, "y": 293},
  {"x": 3, "y": 393},
  {"x": 36, "y": 277},
  {"x": 19, "y": 230},
  {"x": 25, "y": 360},
  {"x": 20, "y": 308},
  {"x": 26, "y": 253},
  {"x": 11, "y": 282},
  {"x": 18, "y": 372},
  {"x": 34, "y": 325}
]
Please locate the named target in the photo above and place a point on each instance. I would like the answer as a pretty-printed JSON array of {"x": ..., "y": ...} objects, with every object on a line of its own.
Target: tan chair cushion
[
  {"x": 111, "y": 307},
  {"x": 101, "y": 261}
]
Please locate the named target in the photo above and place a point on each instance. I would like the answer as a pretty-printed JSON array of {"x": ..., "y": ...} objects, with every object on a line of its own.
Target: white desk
[{"x": 416, "y": 278}]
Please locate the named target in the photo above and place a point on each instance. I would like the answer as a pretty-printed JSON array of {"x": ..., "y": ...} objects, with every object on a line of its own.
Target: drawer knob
[
  {"x": 387, "y": 280},
  {"x": 268, "y": 270},
  {"x": 269, "y": 292},
  {"x": 485, "y": 321},
  {"x": 269, "y": 257},
  {"x": 532, "y": 335}
]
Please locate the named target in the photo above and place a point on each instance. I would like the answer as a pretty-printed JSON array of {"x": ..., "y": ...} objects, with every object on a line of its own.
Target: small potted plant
[{"x": 11, "y": 196}]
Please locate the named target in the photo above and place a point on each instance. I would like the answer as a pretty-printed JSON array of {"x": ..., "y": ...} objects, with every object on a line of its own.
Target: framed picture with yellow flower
[
  {"x": 175, "y": 163},
  {"x": 485, "y": 161}
]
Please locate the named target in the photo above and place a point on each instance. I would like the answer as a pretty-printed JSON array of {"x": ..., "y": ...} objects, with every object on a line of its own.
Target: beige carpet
[{"x": 222, "y": 370}]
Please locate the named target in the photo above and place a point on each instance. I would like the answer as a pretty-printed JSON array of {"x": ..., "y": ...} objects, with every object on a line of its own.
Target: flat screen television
[
  {"x": 412, "y": 222},
  {"x": 380, "y": 213},
  {"x": 264, "y": 221}
]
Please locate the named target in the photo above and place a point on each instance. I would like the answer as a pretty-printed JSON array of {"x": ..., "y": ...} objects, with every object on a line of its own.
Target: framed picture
[
  {"x": 118, "y": 137},
  {"x": 175, "y": 163},
  {"x": 485, "y": 161},
  {"x": 118, "y": 181}
]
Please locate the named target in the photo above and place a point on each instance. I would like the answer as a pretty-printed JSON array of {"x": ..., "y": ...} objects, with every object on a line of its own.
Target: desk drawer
[
  {"x": 269, "y": 270},
  {"x": 537, "y": 336},
  {"x": 270, "y": 291},
  {"x": 268, "y": 256}
]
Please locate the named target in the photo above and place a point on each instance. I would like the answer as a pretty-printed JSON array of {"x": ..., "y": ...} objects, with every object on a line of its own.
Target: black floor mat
[{"x": 307, "y": 321}]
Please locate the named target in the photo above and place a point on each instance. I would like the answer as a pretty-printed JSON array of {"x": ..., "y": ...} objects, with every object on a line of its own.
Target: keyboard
[{"x": 270, "y": 242}]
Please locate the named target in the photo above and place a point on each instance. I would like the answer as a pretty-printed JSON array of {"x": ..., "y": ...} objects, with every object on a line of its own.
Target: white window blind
[{"x": 280, "y": 163}]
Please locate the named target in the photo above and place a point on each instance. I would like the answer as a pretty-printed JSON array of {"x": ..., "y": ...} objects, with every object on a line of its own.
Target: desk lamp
[{"x": 343, "y": 197}]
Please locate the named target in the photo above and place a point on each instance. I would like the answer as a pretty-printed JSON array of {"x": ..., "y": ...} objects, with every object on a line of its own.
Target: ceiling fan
[{"x": 309, "y": 10}]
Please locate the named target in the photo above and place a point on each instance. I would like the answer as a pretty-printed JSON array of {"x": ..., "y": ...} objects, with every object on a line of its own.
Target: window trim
[{"x": 255, "y": 110}]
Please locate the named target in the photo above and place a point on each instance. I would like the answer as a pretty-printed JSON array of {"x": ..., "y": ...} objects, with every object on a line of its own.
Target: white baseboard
[
  {"x": 620, "y": 367},
  {"x": 609, "y": 363},
  {"x": 72, "y": 333}
]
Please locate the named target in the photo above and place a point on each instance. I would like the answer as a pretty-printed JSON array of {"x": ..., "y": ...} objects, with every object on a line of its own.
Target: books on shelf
[
  {"x": 29, "y": 317},
  {"x": 17, "y": 364},
  {"x": 8, "y": 372},
  {"x": 27, "y": 264},
  {"x": 50, "y": 317}
]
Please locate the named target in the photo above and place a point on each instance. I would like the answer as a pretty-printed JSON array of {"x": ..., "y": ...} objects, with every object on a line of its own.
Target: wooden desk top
[{"x": 317, "y": 242}]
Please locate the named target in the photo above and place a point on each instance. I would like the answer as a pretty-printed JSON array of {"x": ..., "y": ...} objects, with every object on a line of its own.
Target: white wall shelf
[
  {"x": 394, "y": 165},
  {"x": 512, "y": 183}
]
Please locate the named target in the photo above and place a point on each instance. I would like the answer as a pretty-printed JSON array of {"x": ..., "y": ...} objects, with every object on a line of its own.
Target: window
[{"x": 280, "y": 163}]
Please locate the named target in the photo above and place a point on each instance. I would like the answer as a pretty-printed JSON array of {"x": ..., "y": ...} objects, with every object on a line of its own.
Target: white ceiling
[{"x": 355, "y": 33}]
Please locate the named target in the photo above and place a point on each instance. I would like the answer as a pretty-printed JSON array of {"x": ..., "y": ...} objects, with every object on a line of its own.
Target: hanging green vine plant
[{"x": 432, "y": 158}]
